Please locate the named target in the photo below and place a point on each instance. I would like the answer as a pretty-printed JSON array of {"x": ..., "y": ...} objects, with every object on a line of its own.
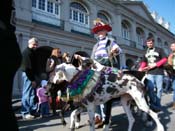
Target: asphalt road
[{"x": 119, "y": 120}]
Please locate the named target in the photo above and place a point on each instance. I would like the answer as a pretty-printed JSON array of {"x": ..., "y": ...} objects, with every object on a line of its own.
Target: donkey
[
  {"x": 102, "y": 87},
  {"x": 126, "y": 100}
]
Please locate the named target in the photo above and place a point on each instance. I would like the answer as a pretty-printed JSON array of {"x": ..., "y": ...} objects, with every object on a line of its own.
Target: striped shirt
[{"x": 101, "y": 50}]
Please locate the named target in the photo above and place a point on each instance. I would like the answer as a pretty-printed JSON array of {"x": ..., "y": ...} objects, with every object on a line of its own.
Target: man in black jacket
[
  {"x": 29, "y": 105},
  {"x": 10, "y": 62}
]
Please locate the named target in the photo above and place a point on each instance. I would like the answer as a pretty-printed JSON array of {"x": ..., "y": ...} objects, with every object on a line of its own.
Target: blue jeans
[
  {"x": 173, "y": 86},
  {"x": 155, "y": 82},
  {"x": 44, "y": 108},
  {"x": 29, "y": 105}
]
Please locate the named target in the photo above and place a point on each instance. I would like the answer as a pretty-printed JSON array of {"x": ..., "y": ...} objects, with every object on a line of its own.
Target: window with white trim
[
  {"x": 79, "y": 14},
  {"x": 47, "y": 6},
  {"x": 125, "y": 30},
  {"x": 34, "y": 3},
  {"x": 140, "y": 36}
]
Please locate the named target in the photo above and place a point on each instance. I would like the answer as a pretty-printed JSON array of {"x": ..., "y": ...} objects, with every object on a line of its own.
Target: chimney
[
  {"x": 161, "y": 20},
  {"x": 154, "y": 14},
  {"x": 167, "y": 25}
]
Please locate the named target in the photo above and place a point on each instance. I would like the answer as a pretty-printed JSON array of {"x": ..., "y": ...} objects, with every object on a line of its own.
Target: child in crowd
[{"x": 43, "y": 99}]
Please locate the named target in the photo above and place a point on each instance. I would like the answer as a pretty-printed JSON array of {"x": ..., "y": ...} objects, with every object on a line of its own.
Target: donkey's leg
[
  {"x": 72, "y": 119},
  {"x": 78, "y": 117},
  {"x": 142, "y": 105},
  {"x": 91, "y": 113},
  {"x": 75, "y": 118},
  {"x": 125, "y": 101}
]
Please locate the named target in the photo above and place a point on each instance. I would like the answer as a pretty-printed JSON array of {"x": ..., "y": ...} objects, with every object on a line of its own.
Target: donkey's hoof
[
  {"x": 64, "y": 123},
  {"x": 77, "y": 125},
  {"x": 72, "y": 129}
]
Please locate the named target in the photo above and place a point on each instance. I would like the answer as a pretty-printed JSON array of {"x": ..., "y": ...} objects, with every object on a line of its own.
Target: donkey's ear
[{"x": 63, "y": 68}]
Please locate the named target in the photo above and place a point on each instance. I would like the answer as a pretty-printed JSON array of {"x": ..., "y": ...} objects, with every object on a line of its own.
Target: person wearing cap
[
  {"x": 29, "y": 105},
  {"x": 43, "y": 99},
  {"x": 105, "y": 51},
  {"x": 152, "y": 63}
]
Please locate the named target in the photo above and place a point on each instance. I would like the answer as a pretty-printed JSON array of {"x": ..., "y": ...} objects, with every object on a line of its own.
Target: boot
[
  {"x": 97, "y": 120},
  {"x": 173, "y": 106}
]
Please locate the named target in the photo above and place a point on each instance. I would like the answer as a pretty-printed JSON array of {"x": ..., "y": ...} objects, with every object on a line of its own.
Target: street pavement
[{"x": 119, "y": 121}]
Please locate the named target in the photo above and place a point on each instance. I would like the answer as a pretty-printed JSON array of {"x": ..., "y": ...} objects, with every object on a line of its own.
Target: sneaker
[
  {"x": 99, "y": 125},
  {"x": 28, "y": 117}
]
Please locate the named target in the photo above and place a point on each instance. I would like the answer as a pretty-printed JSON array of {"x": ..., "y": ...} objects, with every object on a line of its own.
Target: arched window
[
  {"x": 140, "y": 36},
  {"x": 125, "y": 30},
  {"x": 103, "y": 17},
  {"x": 78, "y": 13},
  {"x": 151, "y": 35},
  {"x": 166, "y": 44}
]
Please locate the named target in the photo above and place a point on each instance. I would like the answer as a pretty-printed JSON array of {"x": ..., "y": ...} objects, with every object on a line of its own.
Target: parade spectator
[
  {"x": 29, "y": 103},
  {"x": 171, "y": 61},
  {"x": 66, "y": 57},
  {"x": 167, "y": 82},
  {"x": 152, "y": 62},
  {"x": 54, "y": 59},
  {"x": 52, "y": 88},
  {"x": 43, "y": 99},
  {"x": 105, "y": 51},
  {"x": 10, "y": 62}
]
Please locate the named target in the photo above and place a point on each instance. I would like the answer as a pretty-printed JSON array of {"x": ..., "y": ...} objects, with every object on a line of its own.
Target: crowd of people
[
  {"x": 35, "y": 93},
  {"x": 39, "y": 94},
  {"x": 106, "y": 51}
]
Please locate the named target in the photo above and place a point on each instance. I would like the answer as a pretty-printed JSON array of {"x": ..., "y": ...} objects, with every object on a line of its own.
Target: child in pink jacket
[{"x": 43, "y": 99}]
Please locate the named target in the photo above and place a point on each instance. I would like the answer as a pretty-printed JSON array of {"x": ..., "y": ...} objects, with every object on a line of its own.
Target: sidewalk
[{"x": 119, "y": 120}]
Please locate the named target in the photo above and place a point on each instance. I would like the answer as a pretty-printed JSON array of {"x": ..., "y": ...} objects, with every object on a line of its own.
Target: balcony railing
[{"x": 130, "y": 43}]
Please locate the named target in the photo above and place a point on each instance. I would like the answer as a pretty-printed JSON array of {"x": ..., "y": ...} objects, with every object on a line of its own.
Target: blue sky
[{"x": 164, "y": 8}]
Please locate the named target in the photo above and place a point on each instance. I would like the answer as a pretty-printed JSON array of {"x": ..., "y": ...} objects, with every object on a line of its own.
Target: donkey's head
[{"x": 64, "y": 72}]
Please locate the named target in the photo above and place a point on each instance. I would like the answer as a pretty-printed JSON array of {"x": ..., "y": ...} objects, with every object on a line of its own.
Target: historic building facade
[{"x": 67, "y": 24}]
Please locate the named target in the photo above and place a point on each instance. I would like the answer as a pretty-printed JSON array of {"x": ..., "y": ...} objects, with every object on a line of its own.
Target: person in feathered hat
[
  {"x": 99, "y": 26},
  {"x": 106, "y": 48},
  {"x": 104, "y": 51}
]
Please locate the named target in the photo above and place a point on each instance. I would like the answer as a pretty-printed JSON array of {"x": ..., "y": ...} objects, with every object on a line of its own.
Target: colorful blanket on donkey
[{"x": 83, "y": 84}]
